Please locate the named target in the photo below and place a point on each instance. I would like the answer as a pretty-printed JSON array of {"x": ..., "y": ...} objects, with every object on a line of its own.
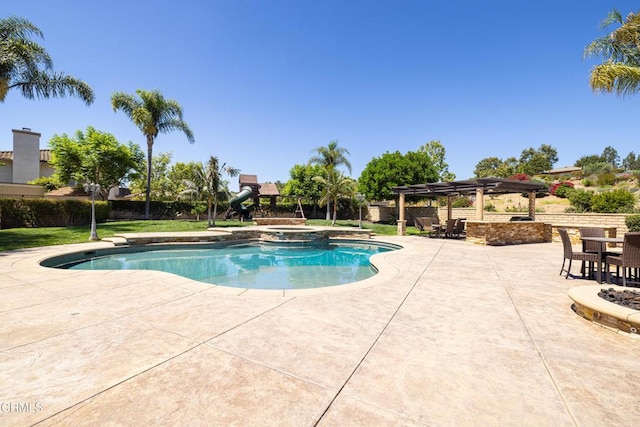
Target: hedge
[{"x": 16, "y": 213}]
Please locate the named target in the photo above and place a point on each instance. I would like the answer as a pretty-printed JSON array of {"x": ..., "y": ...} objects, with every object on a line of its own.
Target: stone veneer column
[{"x": 479, "y": 204}]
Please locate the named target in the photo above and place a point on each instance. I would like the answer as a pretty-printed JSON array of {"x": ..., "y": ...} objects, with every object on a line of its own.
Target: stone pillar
[
  {"x": 402, "y": 223},
  {"x": 532, "y": 205},
  {"x": 479, "y": 204},
  {"x": 26, "y": 156}
]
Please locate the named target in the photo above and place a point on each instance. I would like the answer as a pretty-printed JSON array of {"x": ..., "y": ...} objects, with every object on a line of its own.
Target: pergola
[{"x": 477, "y": 186}]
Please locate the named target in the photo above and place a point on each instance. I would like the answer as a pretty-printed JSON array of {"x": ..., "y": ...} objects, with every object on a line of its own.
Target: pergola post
[
  {"x": 449, "y": 207},
  {"x": 532, "y": 205},
  {"x": 479, "y": 204},
  {"x": 402, "y": 223}
]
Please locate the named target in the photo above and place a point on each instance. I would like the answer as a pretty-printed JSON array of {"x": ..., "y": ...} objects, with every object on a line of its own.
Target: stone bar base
[
  {"x": 280, "y": 221},
  {"x": 507, "y": 233}
]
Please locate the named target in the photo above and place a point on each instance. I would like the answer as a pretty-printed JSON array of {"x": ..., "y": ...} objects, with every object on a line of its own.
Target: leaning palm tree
[
  {"x": 330, "y": 157},
  {"x": 216, "y": 185},
  {"x": 25, "y": 65},
  {"x": 620, "y": 50},
  {"x": 152, "y": 114},
  {"x": 337, "y": 186},
  {"x": 208, "y": 184}
]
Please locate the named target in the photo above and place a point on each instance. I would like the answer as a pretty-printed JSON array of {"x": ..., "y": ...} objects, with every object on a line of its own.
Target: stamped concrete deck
[{"x": 451, "y": 334}]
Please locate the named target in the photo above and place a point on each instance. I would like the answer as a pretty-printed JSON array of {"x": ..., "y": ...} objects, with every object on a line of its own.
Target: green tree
[
  {"x": 390, "y": 170},
  {"x": 302, "y": 183},
  {"x": 487, "y": 167},
  {"x": 25, "y": 65},
  {"x": 535, "y": 161},
  {"x": 586, "y": 160},
  {"x": 160, "y": 186},
  {"x": 437, "y": 152},
  {"x": 620, "y": 51},
  {"x": 180, "y": 173},
  {"x": 336, "y": 186},
  {"x": 610, "y": 155},
  {"x": 152, "y": 114},
  {"x": 631, "y": 162},
  {"x": 507, "y": 168},
  {"x": 330, "y": 157},
  {"x": 94, "y": 157}
]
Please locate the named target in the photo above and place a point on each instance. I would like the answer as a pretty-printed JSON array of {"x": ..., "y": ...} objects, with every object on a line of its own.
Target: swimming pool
[{"x": 248, "y": 265}]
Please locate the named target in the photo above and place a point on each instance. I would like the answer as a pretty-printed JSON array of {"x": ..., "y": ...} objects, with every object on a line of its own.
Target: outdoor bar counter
[{"x": 495, "y": 233}]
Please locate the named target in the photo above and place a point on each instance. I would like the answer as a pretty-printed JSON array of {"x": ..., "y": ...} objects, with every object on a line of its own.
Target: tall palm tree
[
  {"x": 330, "y": 157},
  {"x": 338, "y": 185},
  {"x": 27, "y": 66},
  {"x": 620, "y": 50},
  {"x": 152, "y": 114}
]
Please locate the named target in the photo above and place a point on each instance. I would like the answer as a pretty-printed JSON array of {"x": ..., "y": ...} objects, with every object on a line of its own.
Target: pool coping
[{"x": 385, "y": 269}]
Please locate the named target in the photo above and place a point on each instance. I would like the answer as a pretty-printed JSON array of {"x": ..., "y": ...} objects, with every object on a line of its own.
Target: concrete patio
[{"x": 449, "y": 333}]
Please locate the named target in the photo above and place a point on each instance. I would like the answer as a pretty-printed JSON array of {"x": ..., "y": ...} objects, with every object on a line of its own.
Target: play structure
[
  {"x": 235, "y": 204},
  {"x": 250, "y": 189}
]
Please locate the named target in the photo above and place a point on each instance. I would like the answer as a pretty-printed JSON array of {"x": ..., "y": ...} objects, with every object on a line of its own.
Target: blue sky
[{"x": 263, "y": 83}]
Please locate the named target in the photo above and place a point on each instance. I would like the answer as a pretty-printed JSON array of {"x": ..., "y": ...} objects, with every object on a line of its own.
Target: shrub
[
  {"x": 462, "y": 202},
  {"x": 520, "y": 177},
  {"x": 633, "y": 222},
  {"x": 587, "y": 182},
  {"x": 489, "y": 207},
  {"x": 580, "y": 200},
  {"x": 616, "y": 201},
  {"x": 49, "y": 213},
  {"x": 559, "y": 189},
  {"x": 608, "y": 178}
]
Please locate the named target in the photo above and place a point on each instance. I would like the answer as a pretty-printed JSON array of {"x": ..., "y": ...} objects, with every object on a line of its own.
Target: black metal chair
[
  {"x": 570, "y": 254},
  {"x": 629, "y": 260}
]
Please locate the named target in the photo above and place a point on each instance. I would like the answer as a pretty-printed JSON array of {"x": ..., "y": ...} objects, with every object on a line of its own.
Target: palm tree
[
  {"x": 330, "y": 157},
  {"x": 208, "y": 183},
  {"x": 215, "y": 183},
  {"x": 27, "y": 66},
  {"x": 152, "y": 114},
  {"x": 620, "y": 50},
  {"x": 338, "y": 185}
]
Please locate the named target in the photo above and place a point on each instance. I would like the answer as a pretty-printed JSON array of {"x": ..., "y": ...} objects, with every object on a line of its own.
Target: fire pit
[
  {"x": 625, "y": 298},
  {"x": 617, "y": 307}
]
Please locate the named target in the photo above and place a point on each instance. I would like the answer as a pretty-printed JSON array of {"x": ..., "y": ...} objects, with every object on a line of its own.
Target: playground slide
[{"x": 236, "y": 201}]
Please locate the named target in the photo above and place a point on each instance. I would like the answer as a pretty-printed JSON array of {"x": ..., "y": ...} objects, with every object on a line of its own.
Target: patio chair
[
  {"x": 436, "y": 229},
  {"x": 451, "y": 226},
  {"x": 570, "y": 254},
  {"x": 422, "y": 223},
  {"x": 458, "y": 228},
  {"x": 629, "y": 260}
]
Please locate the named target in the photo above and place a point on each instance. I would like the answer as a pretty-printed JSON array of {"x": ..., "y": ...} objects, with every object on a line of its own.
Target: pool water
[{"x": 253, "y": 265}]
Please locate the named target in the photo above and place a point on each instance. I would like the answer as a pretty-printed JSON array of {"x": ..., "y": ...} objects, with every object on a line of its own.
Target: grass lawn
[{"x": 20, "y": 238}]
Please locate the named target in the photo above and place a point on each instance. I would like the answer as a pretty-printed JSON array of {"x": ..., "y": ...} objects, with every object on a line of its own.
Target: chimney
[{"x": 26, "y": 155}]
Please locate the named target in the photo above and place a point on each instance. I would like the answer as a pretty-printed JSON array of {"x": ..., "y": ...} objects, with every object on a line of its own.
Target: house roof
[
  {"x": 469, "y": 186},
  {"x": 563, "y": 170},
  {"x": 248, "y": 179},
  {"x": 45, "y": 155},
  {"x": 269, "y": 189}
]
